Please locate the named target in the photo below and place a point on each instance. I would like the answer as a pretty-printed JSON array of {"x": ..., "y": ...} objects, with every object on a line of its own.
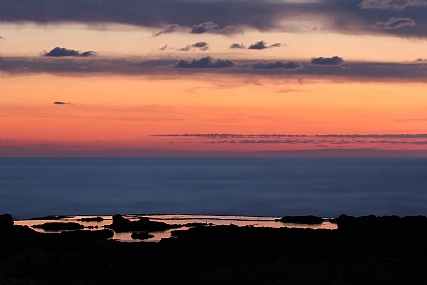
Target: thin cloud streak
[
  {"x": 319, "y": 140},
  {"x": 337, "y": 136}
]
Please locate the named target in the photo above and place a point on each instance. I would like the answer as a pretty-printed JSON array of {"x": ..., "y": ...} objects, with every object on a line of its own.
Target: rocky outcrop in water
[
  {"x": 57, "y": 226},
  {"x": 121, "y": 224},
  {"x": 306, "y": 220}
]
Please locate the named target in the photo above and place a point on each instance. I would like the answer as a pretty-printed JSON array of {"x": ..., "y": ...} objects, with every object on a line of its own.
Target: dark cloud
[
  {"x": 205, "y": 62},
  {"x": 169, "y": 30},
  {"x": 1, "y": 38},
  {"x": 263, "y": 45},
  {"x": 241, "y": 46},
  {"x": 61, "y": 52},
  {"x": 258, "y": 45},
  {"x": 335, "y": 60},
  {"x": 163, "y": 47},
  {"x": 395, "y": 23},
  {"x": 211, "y": 27},
  {"x": 60, "y": 103},
  {"x": 292, "y": 65},
  {"x": 199, "y": 45},
  {"x": 348, "y": 17}
]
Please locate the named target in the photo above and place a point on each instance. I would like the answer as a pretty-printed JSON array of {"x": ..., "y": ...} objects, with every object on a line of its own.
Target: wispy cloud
[
  {"x": 199, "y": 45},
  {"x": 395, "y": 23},
  {"x": 237, "y": 46},
  {"x": 163, "y": 47},
  {"x": 169, "y": 30},
  {"x": 391, "y": 4}
]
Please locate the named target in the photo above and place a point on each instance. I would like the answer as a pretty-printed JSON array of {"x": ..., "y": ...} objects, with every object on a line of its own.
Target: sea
[{"x": 273, "y": 187}]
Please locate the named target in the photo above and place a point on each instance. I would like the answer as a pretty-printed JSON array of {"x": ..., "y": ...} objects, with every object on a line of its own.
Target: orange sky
[{"x": 117, "y": 112}]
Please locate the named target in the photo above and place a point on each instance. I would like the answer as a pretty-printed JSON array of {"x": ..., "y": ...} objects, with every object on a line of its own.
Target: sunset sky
[{"x": 213, "y": 78}]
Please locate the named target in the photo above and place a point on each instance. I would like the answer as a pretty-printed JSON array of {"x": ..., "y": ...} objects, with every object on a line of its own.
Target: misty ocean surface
[{"x": 327, "y": 187}]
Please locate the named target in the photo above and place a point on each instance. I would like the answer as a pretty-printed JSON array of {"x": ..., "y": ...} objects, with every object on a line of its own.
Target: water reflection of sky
[{"x": 176, "y": 219}]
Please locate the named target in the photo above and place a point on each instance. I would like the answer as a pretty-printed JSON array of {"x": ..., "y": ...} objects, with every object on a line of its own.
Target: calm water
[{"x": 32, "y": 187}]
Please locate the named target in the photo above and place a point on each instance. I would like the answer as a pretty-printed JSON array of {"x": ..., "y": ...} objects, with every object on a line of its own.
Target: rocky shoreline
[{"x": 363, "y": 250}]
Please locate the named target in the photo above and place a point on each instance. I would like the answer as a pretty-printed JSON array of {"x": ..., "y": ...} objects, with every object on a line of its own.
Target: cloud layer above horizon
[{"x": 332, "y": 68}]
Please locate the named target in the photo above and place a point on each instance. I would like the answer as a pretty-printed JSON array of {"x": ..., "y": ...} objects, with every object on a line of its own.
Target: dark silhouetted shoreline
[{"x": 363, "y": 250}]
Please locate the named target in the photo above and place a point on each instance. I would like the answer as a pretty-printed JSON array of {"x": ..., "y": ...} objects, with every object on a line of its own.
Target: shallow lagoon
[{"x": 177, "y": 219}]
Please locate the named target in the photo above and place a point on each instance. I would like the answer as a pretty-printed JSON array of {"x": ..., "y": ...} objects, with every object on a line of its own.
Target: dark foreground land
[{"x": 365, "y": 250}]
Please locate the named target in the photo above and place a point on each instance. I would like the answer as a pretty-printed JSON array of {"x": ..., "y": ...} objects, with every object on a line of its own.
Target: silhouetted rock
[
  {"x": 59, "y": 226},
  {"x": 190, "y": 225},
  {"x": 92, "y": 219},
  {"x": 141, "y": 235},
  {"x": 6, "y": 221},
  {"x": 384, "y": 223},
  {"x": 374, "y": 250},
  {"x": 415, "y": 220},
  {"x": 121, "y": 224},
  {"x": 306, "y": 220},
  {"x": 344, "y": 222}
]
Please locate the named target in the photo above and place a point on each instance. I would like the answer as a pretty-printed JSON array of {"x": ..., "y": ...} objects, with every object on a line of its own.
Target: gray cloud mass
[{"x": 348, "y": 17}]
